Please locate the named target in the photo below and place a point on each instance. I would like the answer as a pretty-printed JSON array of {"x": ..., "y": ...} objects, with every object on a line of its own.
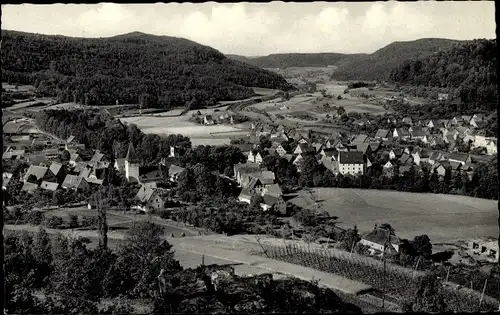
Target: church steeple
[{"x": 131, "y": 156}]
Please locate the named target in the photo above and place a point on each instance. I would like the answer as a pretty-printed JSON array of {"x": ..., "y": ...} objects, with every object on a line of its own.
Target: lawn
[{"x": 444, "y": 218}]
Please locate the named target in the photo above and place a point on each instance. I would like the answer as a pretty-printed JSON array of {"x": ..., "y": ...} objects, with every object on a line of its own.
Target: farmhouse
[
  {"x": 174, "y": 171},
  {"x": 12, "y": 154},
  {"x": 379, "y": 239},
  {"x": 149, "y": 199},
  {"x": 351, "y": 163},
  {"x": 273, "y": 202},
  {"x": 6, "y": 177},
  {"x": 36, "y": 174},
  {"x": 254, "y": 157},
  {"x": 208, "y": 120},
  {"x": 75, "y": 182}
]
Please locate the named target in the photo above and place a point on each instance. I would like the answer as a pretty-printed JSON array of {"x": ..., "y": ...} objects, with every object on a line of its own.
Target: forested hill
[
  {"x": 158, "y": 71},
  {"x": 296, "y": 60},
  {"x": 468, "y": 70},
  {"x": 378, "y": 65}
]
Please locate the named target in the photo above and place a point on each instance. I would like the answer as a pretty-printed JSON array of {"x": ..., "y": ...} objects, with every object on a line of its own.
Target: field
[
  {"x": 168, "y": 123},
  {"x": 444, "y": 218}
]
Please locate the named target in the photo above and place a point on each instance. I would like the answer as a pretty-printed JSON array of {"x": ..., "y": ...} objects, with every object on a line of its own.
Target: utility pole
[{"x": 387, "y": 242}]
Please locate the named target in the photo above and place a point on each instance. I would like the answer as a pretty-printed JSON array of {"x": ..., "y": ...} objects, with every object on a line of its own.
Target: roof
[
  {"x": 462, "y": 157},
  {"x": 74, "y": 156},
  {"x": 38, "y": 171},
  {"x": 72, "y": 181},
  {"x": 303, "y": 201},
  {"x": 49, "y": 186},
  {"x": 351, "y": 157},
  {"x": 375, "y": 145},
  {"x": 331, "y": 152},
  {"x": 333, "y": 166},
  {"x": 145, "y": 193},
  {"x": 10, "y": 127},
  {"x": 405, "y": 158},
  {"x": 55, "y": 168},
  {"x": 363, "y": 147},
  {"x": 403, "y": 132},
  {"x": 6, "y": 178},
  {"x": 29, "y": 187},
  {"x": 70, "y": 139},
  {"x": 131, "y": 155},
  {"x": 150, "y": 175},
  {"x": 244, "y": 147},
  {"x": 455, "y": 165},
  {"x": 380, "y": 236},
  {"x": 97, "y": 157},
  {"x": 404, "y": 169},
  {"x": 361, "y": 138},
  {"x": 245, "y": 193},
  {"x": 247, "y": 167},
  {"x": 270, "y": 200},
  {"x": 36, "y": 159},
  {"x": 397, "y": 151},
  {"x": 274, "y": 190},
  {"x": 382, "y": 133},
  {"x": 94, "y": 180},
  {"x": 174, "y": 170},
  {"x": 85, "y": 172}
]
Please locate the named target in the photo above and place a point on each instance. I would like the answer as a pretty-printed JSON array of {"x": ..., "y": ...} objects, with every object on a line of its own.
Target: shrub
[
  {"x": 53, "y": 222},
  {"x": 35, "y": 217},
  {"x": 89, "y": 221},
  {"x": 73, "y": 221}
]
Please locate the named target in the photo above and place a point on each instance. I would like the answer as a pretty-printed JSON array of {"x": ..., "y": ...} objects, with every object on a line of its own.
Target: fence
[{"x": 400, "y": 283}]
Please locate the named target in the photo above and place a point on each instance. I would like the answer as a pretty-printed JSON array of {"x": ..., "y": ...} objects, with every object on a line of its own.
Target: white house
[
  {"x": 491, "y": 147},
  {"x": 351, "y": 163},
  {"x": 379, "y": 239},
  {"x": 150, "y": 198},
  {"x": 254, "y": 157}
]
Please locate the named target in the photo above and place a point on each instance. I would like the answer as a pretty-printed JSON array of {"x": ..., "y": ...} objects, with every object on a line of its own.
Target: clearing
[{"x": 444, "y": 218}]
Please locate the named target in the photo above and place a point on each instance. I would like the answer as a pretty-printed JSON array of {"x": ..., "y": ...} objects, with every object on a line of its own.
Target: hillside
[
  {"x": 296, "y": 60},
  {"x": 468, "y": 70},
  {"x": 158, "y": 71},
  {"x": 378, "y": 65}
]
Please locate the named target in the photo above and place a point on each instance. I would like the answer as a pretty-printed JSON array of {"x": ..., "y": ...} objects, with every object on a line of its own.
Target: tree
[
  {"x": 388, "y": 227},
  {"x": 65, "y": 156},
  {"x": 423, "y": 246},
  {"x": 429, "y": 297},
  {"x": 256, "y": 201}
]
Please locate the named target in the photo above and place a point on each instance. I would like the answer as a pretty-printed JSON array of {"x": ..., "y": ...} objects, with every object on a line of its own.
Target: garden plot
[{"x": 444, "y": 218}]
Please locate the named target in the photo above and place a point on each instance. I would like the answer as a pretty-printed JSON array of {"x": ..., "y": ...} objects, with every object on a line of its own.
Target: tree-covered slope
[
  {"x": 296, "y": 60},
  {"x": 467, "y": 69},
  {"x": 378, "y": 66},
  {"x": 159, "y": 71}
]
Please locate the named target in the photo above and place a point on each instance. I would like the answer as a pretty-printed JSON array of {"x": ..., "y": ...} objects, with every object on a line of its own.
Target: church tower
[{"x": 131, "y": 164}]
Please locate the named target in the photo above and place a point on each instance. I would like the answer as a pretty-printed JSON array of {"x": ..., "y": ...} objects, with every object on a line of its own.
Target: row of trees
[{"x": 151, "y": 70}]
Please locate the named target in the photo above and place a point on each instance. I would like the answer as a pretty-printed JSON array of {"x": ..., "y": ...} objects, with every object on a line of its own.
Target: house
[
  {"x": 462, "y": 158},
  {"x": 6, "y": 177},
  {"x": 407, "y": 121},
  {"x": 254, "y": 157},
  {"x": 59, "y": 171},
  {"x": 435, "y": 157},
  {"x": 432, "y": 123},
  {"x": 150, "y": 175},
  {"x": 420, "y": 155},
  {"x": 443, "y": 96},
  {"x": 449, "y": 138},
  {"x": 382, "y": 134},
  {"x": 329, "y": 154},
  {"x": 241, "y": 169},
  {"x": 98, "y": 157},
  {"x": 351, "y": 163},
  {"x": 208, "y": 120},
  {"x": 406, "y": 159},
  {"x": 395, "y": 153},
  {"x": 75, "y": 182},
  {"x": 441, "y": 168},
  {"x": 491, "y": 147},
  {"x": 74, "y": 158},
  {"x": 120, "y": 165},
  {"x": 174, "y": 172},
  {"x": 12, "y": 154},
  {"x": 375, "y": 146},
  {"x": 380, "y": 239},
  {"x": 389, "y": 165},
  {"x": 272, "y": 190},
  {"x": 29, "y": 187},
  {"x": 279, "y": 149},
  {"x": 52, "y": 153},
  {"x": 245, "y": 195},
  {"x": 79, "y": 167},
  {"x": 149, "y": 198},
  {"x": 331, "y": 165},
  {"x": 37, "y": 174},
  {"x": 404, "y": 169},
  {"x": 480, "y": 141},
  {"x": 436, "y": 141},
  {"x": 484, "y": 249},
  {"x": 364, "y": 148},
  {"x": 277, "y": 203},
  {"x": 361, "y": 138},
  {"x": 303, "y": 148},
  {"x": 478, "y": 124},
  {"x": 49, "y": 186},
  {"x": 297, "y": 161},
  {"x": 316, "y": 147},
  {"x": 401, "y": 133}
]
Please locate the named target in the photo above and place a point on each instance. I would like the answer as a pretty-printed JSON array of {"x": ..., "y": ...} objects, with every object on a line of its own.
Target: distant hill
[
  {"x": 468, "y": 69},
  {"x": 378, "y": 65},
  {"x": 295, "y": 60},
  {"x": 158, "y": 71}
]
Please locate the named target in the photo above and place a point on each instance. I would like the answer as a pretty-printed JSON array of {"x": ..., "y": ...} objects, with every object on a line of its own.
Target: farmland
[{"x": 444, "y": 218}]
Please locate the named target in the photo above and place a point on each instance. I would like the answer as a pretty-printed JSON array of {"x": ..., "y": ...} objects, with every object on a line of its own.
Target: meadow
[{"x": 444, "y": 218}]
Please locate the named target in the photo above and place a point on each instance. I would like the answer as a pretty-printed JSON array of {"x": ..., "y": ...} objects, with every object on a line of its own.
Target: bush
[
  {"x": 35, "y": 217},
  {"x": 53, "y": 222},
  {"x": 73, "y": 221},
  {"x": 89, "y": 221}
]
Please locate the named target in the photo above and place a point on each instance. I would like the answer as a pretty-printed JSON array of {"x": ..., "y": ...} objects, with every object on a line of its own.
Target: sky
[{"x": 255, "y": 29}]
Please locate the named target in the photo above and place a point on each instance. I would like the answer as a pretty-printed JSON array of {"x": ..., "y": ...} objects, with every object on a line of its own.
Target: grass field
[{"x": 444, "y": 218}]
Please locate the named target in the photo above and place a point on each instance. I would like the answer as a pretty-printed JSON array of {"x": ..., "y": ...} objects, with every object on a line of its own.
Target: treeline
[
  {"x": 378, "y": 65},
  {"x": 66, "y": 276},
  {"x": 98, "y": 130},
  {"x": 157, "y": 71},
  {"x": 294, "y": 60},
  {"x": 468, "y": 70}
]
